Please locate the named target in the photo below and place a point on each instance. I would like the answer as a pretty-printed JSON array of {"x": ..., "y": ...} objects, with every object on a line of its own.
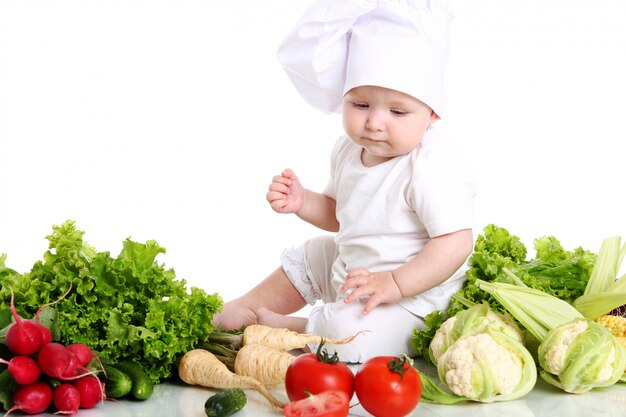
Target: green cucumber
[
  {"x": 116, "y": 383},
  {"x": 225, "y": 403},
  {"x": 142, "y": 384}
]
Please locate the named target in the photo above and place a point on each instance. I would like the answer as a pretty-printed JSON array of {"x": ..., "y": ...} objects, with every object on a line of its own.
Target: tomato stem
[
  {"x": 323, "y": 355},
  {"x": 400, "y": 365}
]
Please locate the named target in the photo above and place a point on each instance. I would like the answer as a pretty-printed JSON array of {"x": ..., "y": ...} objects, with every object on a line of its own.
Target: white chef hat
[{"x": 341, "y": 44}]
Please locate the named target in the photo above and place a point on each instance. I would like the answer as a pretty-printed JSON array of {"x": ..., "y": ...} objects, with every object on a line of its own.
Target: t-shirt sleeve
[{"x": 442, "y": 190}]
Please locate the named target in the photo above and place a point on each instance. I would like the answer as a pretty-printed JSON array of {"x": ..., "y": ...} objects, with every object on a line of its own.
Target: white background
[{"x": 166, "y": 119}]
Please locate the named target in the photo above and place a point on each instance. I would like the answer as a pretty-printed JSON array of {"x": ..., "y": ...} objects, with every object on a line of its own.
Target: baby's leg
[
  {"x": 275, "y": 293},
  {"x": 387, "y": 329},
  {"x": 273, "y": 319},
  {"x": 304, "y": 277}
]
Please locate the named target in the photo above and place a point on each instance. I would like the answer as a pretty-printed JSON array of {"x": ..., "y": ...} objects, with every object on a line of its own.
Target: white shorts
[{"x": 387, "y": 329}]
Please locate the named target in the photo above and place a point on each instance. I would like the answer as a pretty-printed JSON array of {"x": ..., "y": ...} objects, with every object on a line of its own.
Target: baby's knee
[{"x": 386, "y": 331}]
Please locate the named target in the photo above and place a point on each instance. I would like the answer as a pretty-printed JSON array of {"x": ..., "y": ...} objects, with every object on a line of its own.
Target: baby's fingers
[
  {"x": 372, "y": 303},
  {"x": 359, "y": 289},
  {"x": 353, "y": 281},
  {"x": 281, "y": 179},
  {"x": 277, "y": 200},
  {"x": 358, "y": 273},
  {"x": 279, "y": 188}
]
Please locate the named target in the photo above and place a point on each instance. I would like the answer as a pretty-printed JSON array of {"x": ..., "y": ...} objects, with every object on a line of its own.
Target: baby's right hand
[{"x": 286, "y": 194}]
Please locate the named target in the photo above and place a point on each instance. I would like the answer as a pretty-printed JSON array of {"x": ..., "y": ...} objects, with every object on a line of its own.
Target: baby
[{"x": 399, "y": 198}]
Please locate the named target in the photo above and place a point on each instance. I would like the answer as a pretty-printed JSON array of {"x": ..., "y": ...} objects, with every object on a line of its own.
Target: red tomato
[
  {"x": 325, "y": 404},
  {"x": 313, "y": 373},
  {"x": 388, "y": 386}
]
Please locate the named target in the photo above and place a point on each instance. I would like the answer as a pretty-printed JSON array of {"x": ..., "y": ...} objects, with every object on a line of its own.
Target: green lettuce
[
  {"x": 554, "y": 270},
  {"x": 124, "y": 307}
]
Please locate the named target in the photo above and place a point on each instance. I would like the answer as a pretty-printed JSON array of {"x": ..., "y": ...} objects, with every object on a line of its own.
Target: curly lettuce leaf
[
  {"x": 421, "y": 338},
  {"x": 553, "y": 270},
  {"x": 124, "y": 307}
]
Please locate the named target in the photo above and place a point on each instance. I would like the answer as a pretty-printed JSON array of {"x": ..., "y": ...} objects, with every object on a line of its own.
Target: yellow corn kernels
[{"x": 616, "y": 324}]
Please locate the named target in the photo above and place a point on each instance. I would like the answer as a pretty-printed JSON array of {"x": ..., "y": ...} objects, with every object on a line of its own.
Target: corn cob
[{"x": 616, "y": 324}]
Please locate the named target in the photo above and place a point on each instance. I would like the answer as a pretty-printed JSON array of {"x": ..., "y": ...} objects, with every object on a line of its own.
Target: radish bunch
[{"x": 48, "y": 373}]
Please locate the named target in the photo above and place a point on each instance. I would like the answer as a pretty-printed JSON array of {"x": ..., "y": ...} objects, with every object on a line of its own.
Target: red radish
[
  {"x": 54, "y": 360},
  {"x": 24, "y": 336},
  {"x": 74, "y": 368},
  {"x": 83, "y": 352},
  {"x": 57, "y": 361},
  {"x": 66, "y": 399},
  {"x": 91, "y": 391},
  {"x": 33, "y": 398},
  {"x": 46, "y": 334},
  {"x": 24, "y": 369}
]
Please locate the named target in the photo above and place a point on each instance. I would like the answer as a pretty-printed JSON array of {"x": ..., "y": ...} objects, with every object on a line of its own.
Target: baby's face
[{"x": 385, "y": 122}]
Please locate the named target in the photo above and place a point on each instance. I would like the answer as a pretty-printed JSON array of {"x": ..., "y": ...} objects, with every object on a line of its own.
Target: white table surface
[{"x": 176, "y": 399}]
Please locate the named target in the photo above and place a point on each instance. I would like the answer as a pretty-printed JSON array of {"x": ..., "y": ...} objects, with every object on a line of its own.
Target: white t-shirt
[{"x": 388, "y": 212}]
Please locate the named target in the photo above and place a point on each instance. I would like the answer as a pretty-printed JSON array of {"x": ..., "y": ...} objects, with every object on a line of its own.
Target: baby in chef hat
[{"x": 399, "y": 197}]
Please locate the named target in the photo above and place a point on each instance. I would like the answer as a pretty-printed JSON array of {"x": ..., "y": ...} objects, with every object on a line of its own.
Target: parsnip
[
  {"x": 200, "y": 367},
  {"x": 264, "y": 363},
  {"x": 262, "y": 352},
  {"x": 285, "y": 339}
]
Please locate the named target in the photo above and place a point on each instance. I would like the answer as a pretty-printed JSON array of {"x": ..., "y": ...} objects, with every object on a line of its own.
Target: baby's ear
[{"x": 433, "y": 117}]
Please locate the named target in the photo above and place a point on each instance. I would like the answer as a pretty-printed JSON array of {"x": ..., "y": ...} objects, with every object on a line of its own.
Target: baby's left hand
[{"x": 379, "y": 286}]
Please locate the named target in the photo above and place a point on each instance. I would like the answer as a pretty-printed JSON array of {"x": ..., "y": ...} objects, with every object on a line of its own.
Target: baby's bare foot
[
  {"x": 270, "y": 318},
  {"x": 233, "y": 317}
]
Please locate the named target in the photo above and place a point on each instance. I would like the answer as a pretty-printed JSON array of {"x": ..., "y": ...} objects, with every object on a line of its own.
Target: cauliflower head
[
  {"x": 581, "y": 355},
  {"x": 478, "y": 367},
  {"x": 554, "y": 353},
  {"x": 472, "y": 321}
]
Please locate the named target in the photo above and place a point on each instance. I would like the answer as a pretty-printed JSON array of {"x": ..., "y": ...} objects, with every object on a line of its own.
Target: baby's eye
[
  {"x": 397, "y": 112},
  {"x": 360, "y": 105}
]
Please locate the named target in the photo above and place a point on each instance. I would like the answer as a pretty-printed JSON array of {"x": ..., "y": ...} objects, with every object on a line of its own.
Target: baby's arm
[
  {"x": 437, "y": 261},
  {"x": 287, "y": 195}
]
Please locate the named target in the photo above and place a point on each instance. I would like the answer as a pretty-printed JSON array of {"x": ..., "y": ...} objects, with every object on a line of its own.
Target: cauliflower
[
  {"x": 440, "y": 342},
  {"x": 554, "y": 357},
  {"x": 480, "y": 356},
  {"x": 479, "y": 367},
  {"x": 575, "y": 354},
  {"x": 581, "y": 355},
  {"x": 474, "y": 320}
]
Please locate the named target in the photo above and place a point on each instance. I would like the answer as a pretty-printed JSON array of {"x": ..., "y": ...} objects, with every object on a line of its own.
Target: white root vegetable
[
  {"x": 201, "y": 367},
  {"x": 262, "y": 352},
  {"x": 285, "y": 339},
  {"x": 264, "y": 363}
]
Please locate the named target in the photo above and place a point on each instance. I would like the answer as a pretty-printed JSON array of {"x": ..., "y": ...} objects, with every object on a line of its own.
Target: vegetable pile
[
  {"x": 260, "y": 351},
  {"x": 128, "y": 307},
  {"x": 554, "y": 270},
  {"x": 43, "y": 374},
  {"x": 253, "y": 358},
  {"x": 318, "y": 384},
  {"x": 575, "y": 354},
  {"x": 558, "y": 316}
]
